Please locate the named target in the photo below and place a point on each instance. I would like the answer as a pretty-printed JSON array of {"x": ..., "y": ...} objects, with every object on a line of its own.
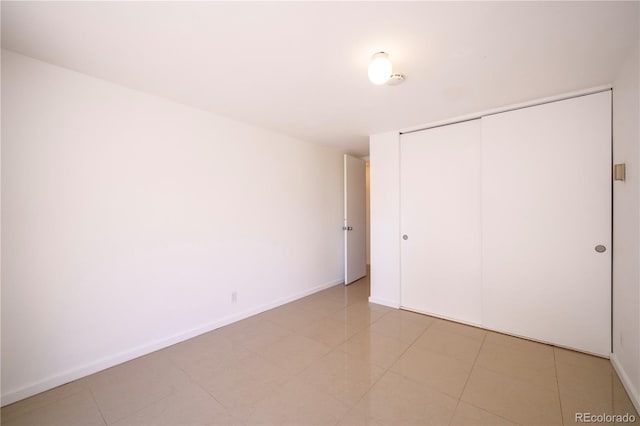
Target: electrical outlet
[{"x": 234, "y": 297}]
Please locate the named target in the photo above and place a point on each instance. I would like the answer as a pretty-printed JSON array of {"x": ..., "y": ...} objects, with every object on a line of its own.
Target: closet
[
  {"x": 506, "y": 222},
  {"x": 440, "y": 213}
]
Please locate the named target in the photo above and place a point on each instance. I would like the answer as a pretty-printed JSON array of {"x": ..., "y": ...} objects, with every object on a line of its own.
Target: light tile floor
[{"x": 333, "y": 358}]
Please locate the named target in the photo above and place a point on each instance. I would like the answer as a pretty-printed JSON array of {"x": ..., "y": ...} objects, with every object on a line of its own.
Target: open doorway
[{"x": 355, "y": 219}]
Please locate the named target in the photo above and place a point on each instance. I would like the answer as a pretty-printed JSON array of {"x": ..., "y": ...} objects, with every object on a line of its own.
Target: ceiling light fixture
[{"x": 381, "y": 70}]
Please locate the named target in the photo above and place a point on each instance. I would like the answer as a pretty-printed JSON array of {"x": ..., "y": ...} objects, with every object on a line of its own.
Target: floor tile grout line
[
  {"x": 97, "y": 405},
  {"x": 173, "y": 392},
  {"x": 355, "y": 404},
  {"x": 492, "y": 413},
  {"x": 252, "y": 409},
  {"x": 484, "y": 339},
  {"x": 299, "y": 333},
  {"x": 473, "y": 365},
  {"x": 410, "y": 345},
  {"x": 325, "y": 355},
  {"x": 197, "y": 384},
  {"x": 517, "y": 379},
  {"x": 555, "y": 367},
  {"x": 82, "y": 386},
  {"x": 387, "y": 369},
  {"x": 226, "y": 409},
  {"x": 143, "y": 407}
]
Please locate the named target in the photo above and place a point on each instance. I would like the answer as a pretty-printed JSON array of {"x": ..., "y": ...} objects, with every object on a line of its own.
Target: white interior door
[
  {"x": 440, "y": 219},
  {"x": 546, "y": 206},
  {"x": 355, "y": 230}
]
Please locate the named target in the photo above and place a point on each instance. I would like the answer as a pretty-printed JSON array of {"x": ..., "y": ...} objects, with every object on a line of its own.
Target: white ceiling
[{"x": 301, "y": 68}]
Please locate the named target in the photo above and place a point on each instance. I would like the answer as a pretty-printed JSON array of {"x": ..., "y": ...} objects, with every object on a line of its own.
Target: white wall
[
  {"x": 384, "y": 170},
  {"x": 368, "y": 208},
  {"x": 128, "y": 221},
  {"x": 626, "y": 226}
]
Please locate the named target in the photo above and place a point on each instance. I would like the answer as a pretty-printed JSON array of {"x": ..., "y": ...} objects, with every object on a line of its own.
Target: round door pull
[
  {"x": 600, "y": 248},
  {"x": 405, "y": 237}
]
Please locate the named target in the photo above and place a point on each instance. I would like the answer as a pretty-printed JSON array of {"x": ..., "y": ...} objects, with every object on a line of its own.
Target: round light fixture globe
[{"x": 380, "y": 68}]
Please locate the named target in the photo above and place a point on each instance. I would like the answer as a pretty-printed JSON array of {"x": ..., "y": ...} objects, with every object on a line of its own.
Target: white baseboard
[
  {"x": 384, "y": 302},
  {"x": 633, "y": 393},
  {"x": 138, "y": 351},
  {"x": 444, "y": 317}
]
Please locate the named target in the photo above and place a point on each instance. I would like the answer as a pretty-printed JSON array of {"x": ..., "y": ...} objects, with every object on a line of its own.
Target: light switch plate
[{"x": 619, "y": 171}]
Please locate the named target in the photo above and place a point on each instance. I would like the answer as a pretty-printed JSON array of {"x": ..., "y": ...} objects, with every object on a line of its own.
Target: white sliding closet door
[
  {"x": 440, "y": 219},
  {"x": 546, "y": 205}
]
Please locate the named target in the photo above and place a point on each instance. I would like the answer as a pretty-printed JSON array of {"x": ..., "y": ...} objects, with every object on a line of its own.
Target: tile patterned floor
[{"x": 333, "y": 358}]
